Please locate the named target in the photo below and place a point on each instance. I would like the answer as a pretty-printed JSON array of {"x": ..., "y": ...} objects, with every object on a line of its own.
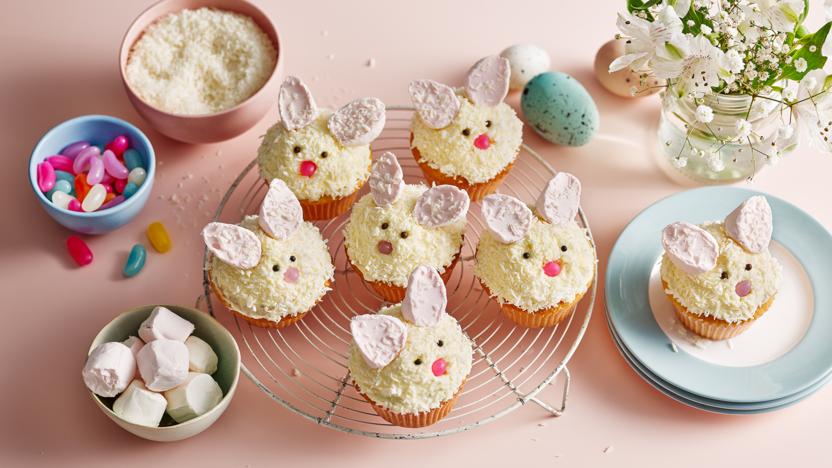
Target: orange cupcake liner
[
  {"x": 710, "y": 327},
  {"x": 476, "y": 191},
  {"x": 392, "y": 293},
  {"x": 327, "y": 207},
  {"x": 548, "y": 317},
  {"x": 414, "y": 420}
]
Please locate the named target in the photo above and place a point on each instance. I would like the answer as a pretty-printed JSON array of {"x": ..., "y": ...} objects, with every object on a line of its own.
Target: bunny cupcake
[
  {"x": 468, "y": 139},
  {"x": 323, "y": 157},
  {"x": 536, "y": 267},
  {"x": 397, "y": 227},
  {"x": 273, "y": 268},
  {"x": 410, "y": 360},
  {"x": 721, "y": 277}
]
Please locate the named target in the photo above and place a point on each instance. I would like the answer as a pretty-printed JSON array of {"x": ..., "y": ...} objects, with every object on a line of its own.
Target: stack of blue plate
[{"x": 783, "y": 358}]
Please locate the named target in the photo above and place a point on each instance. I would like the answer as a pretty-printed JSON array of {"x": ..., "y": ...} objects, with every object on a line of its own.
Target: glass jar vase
[{"x": 722, "y": 150}]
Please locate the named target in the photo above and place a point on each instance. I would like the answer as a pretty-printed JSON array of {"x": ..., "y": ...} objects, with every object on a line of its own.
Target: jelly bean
[
  {"x": 119, "y": 185},
  {"x": 130, "y": 189},
  {"x": 132, "y": 159},
  {"x": 96, "y": 172},
  {"x": 116, "y": 200},
  {"x": 79, "y": 250},
  {"x": 65, "y": 175},
  {"x": 61, "y": 199},
  {"x": 137, "y": 176},
  {"x": 63, "y": 186},
  {"x": 60, "y": 163},
  {"x": 120, "y": 144},
  {"x": 94, "y": 199},
  {"x": 46, "y": 176},
  {"x": 107, "y": 179},
  {"x": 108, "y": 188},
  {"x": 114, "y": 167},
  {"x": 108, "y": 196},
  {"x": 73, "y": 149},
  {"x": 81, "y": 187},
  {"x": 135, "y": 261},
  {"x": 158, "y": 237},
  {"x": 74, "y": 205},
  {"x": 82, "y": 161}
]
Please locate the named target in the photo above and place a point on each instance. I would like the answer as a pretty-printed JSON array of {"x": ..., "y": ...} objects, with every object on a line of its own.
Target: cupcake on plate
[
  {"x": 721, "y": 277},
  {"x": 273, "y": 268},
  {"x": 468, "y": 138},
  {"x": 397, "y": 227},
  {"x": 323, "y": 157},
  {"x": 410, "y": 360},
  {"x": 537, "y": 266}
]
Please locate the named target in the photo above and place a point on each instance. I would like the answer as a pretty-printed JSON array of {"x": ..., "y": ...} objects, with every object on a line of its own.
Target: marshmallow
[
  {"x": 201, "y": 358},
  {"x": 109, "y": 369},
  {"x": 163, "y": 323},
  {"x": 138, "y": 405},
  {"x": 163, "y": 364},
  {"x": 195, "y": 397},
  {"x": 134, "y": 343}
]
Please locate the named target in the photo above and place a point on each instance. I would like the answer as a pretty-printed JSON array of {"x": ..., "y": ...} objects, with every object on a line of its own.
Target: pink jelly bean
[
  {"x": 113, "y": 166},
  {"x": 119, "y": 185},
  {"x": 482, "y": 142},
  {"x": 308, "y": 168},
  {"x": 72, "y": 150},
  {"x": 108, "y": 187},
  {"x": 551, "y": 268},
  {"x": 439, "y": 367},
  {"x": 74, "y": 205},
  {"x": 82, "y": 161},
  {"x": 120, "y": 144},
  {"x": 743, "y": 288},
  {"x": 291, "y": 276},
  {"x": 46, "y": 177},
  {"x": 60, "y": 163},
  {"x": 79, "y": 250},
  {"x": 117, "y": 200},
  {"x": 107, "y": 179},
  {"x": 96, "y": 172},
  {"x": 385, "y": 247}
]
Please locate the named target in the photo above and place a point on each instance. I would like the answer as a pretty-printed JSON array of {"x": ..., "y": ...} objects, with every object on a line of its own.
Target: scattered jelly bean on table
[
  {"x": 135, "y": 261},
  {"x": 113, "y": 166},
  {"x": 94, "y": 199},
  {"x": 72, "y": 150},
  {"x": 79, "y": 250},
  {"x": 46, "y": 176},
  {"x": 60, "y": 163},
  {"x": 130, "y": 189},
  {"x": 137, "y": 176},
  {"x": 158, "y": 236},
  {"x": 74, "y": 205},
  {"x": 61, "y": 199},
  {"x": 116, "y": 200},
  {"x": 132, "y": 159}
]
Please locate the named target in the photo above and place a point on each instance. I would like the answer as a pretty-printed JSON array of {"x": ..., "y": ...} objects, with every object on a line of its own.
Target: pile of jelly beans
[
  {"x": 85, "y": 177},
  {"x": 156, "y": 234}
]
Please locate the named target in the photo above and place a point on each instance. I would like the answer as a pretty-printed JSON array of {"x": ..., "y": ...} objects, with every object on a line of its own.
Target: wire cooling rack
[{"x": 304, "y": 367}]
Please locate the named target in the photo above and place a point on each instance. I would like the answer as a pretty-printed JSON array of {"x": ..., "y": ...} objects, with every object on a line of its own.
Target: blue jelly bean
[
  {"x": 63, "y": 175},
  {"x": 135, "y": 261},
  {"x": 130, "y": 190},
  {"x": 63, "y": 186},
  {"x": 132, "y": 159}
]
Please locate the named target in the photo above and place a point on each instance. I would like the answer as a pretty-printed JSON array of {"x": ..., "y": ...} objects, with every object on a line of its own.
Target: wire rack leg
[
  {"x": 567, "y": 378},
  {"x": 337, "y": 398}
]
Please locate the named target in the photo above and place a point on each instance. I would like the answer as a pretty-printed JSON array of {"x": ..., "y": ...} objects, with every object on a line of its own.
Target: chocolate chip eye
[
  {"x": 404, "y": 234},
  {"x": 725, "y": 275},
  {"x": 747, "y": 267},
  {"x": 275, "y": 267},
  {"x": 297, "y": 149},
  {"x": 563, "y": 248},
  {"x": 324, "y": 155},
  {"x": 466, "y": 132},
  {"x": 487, "y": 124},
  {"x": 440, "y": 343},
  {"x": 417, "y": 361},
  {"x": 385, "y": 225},
  {"x": 292, "y": 258},
  {"x": 527, "y": 255}
]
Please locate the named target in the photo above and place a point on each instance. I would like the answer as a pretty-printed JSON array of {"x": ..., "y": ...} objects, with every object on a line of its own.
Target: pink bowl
[{"x": 205, "y": 128}]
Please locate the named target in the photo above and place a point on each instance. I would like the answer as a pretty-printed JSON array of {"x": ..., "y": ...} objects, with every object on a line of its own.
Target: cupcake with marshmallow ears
[
  {"x": 410, "y": 360},
  {"x": 468, "y": 138},
  {"x": 397, "y": 227},
  {"x": 272, "y": 268},
  {"x": 536, "y": 265},
  {"x": 323, "y": 157},
  {"x": 721, "y": 277}
]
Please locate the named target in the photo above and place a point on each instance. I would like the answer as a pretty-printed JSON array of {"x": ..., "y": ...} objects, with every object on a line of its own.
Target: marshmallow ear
[
  {"x": 234, "y": 245},
  {"x": 506, "y": 217},
  {"x": 437, "y": 104},
  {"x": 378, "y": 337},
  {"x": 561, "y": 199},
  {"x": 359, "y": 122},
  {"x": 426, "y": 298},
  {"x": 441, "y": 205},
  {"x": 295, "y": 104},
  {"x": 386, "y": 179},
  {"x": 487, "y": 83},
  {"x": 691, "y": 248},
  {"x": 750, "y": 224},
  {"x": 280, "y": 212}
]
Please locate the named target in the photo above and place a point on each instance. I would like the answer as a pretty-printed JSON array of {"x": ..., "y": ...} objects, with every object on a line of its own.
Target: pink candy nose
[
  {"x": 385, "y": 247},
  {"x": 743, "y": 288},
  {"x": 552, "y": 268},
  {"x": 291, "y": 275},
  {"x": 482, "y": 142},
  {"x": 308, "y": 168},
  {"x": 439, "y": 367}
]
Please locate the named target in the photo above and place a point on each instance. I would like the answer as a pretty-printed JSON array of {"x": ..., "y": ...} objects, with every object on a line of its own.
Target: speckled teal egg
[{"x": 560, "y": 109}]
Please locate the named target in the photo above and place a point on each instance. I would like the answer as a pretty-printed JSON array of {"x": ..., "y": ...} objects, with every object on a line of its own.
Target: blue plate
[
  {"x": 628, "y": 307},
  {"x": 706, "y": 404}
]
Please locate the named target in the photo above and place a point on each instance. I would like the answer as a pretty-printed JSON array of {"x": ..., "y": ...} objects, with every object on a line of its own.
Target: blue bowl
[{"x": 97, "y": 129}]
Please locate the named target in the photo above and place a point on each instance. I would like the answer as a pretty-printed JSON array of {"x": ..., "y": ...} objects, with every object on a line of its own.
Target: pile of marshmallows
[{"x": 164, "y": 369}]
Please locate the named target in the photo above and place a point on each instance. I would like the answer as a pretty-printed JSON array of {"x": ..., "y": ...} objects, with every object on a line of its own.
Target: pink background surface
[{"x": 59, "y": 60}]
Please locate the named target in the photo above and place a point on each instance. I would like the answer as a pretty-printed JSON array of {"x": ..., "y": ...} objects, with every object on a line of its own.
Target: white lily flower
[
  {"x": 813, "y": 110},
  {"x": 649, "y": 41},
  {"x": 780, "y": 15},
  {"x": 699, "y": 71}
]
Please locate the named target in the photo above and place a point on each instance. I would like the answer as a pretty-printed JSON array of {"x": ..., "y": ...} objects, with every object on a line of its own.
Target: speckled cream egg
[
  {"x": 622, "y": 82},
  {"x": 560, "y": 109},
  {"x": 527, "y": 61}
]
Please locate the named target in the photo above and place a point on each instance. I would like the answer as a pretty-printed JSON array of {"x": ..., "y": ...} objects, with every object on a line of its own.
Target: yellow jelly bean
[{"x": 158, "y": 236}]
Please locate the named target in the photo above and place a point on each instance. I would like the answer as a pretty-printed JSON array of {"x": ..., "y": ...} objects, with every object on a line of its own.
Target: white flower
[
  {"x": 705, "y": 29},
  {"x": 698, "y": 72},
  {"x": 681, "y": 7},
  {"x": 813, "y": 110},
  {"x": 715, "y": 163},
  {"x": 779, "y": 15},
  {"x": 704, "y": 114},
  {"x": 800, "y": 65},
  {"x": 743, "y": 129},
  {"x": 680, "y": 162},
  {"x": 734, "y": 62},
  {"x": 647, "y": 42}
]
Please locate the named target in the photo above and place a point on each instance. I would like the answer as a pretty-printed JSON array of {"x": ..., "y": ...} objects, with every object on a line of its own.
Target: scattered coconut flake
[
  {"x": 534, "y": 439},
  {"x": 673, "y": 347},
  {"x": 609, "y": 449},
  {"x": 295, "y": 372},
  {"x": 331, "y": 56},
  {"x": 730, "y": 344},
  {"x": 324, "y": 33},
  {"x": 541, "y": 424},
  {"x": 371, "y": 62}
]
